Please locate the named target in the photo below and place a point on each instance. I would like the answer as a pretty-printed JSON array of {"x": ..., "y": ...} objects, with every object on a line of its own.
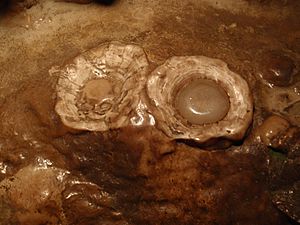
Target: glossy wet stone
[
  {"x": 288, "y": 200},
  {"x": 278, "y": 69},
  {"x": 271, "y": 128}
]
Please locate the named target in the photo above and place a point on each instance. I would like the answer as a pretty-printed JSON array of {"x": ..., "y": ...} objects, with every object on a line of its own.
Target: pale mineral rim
[
  {"x": 166, "y": 79},
  {"x": 125, "y": 66}
]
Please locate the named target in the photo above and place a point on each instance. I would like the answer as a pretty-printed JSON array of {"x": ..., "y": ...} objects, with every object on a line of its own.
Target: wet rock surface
[
  {"x": 271, "y": 132},
  {"x": 288, "y": 200},
  {"x": 279, "y": 69},
  {"x": 105, "y": 2},
  {"x": 136, "y": 175},
  {"x": 80, "y": 1},
  {"x": 282, "y": 101},
  {"x": 284, "y": 142}
]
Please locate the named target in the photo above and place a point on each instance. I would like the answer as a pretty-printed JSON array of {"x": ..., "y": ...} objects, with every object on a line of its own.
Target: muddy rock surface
[{"x": 53, "y": 174}]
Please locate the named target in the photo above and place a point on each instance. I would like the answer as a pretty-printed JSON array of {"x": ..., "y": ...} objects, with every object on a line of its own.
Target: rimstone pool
[{"x": 150, "y": 112}]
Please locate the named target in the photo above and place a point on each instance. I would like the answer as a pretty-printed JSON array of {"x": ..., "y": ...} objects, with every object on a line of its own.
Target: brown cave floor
[{"x": 117, "y": 179}]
